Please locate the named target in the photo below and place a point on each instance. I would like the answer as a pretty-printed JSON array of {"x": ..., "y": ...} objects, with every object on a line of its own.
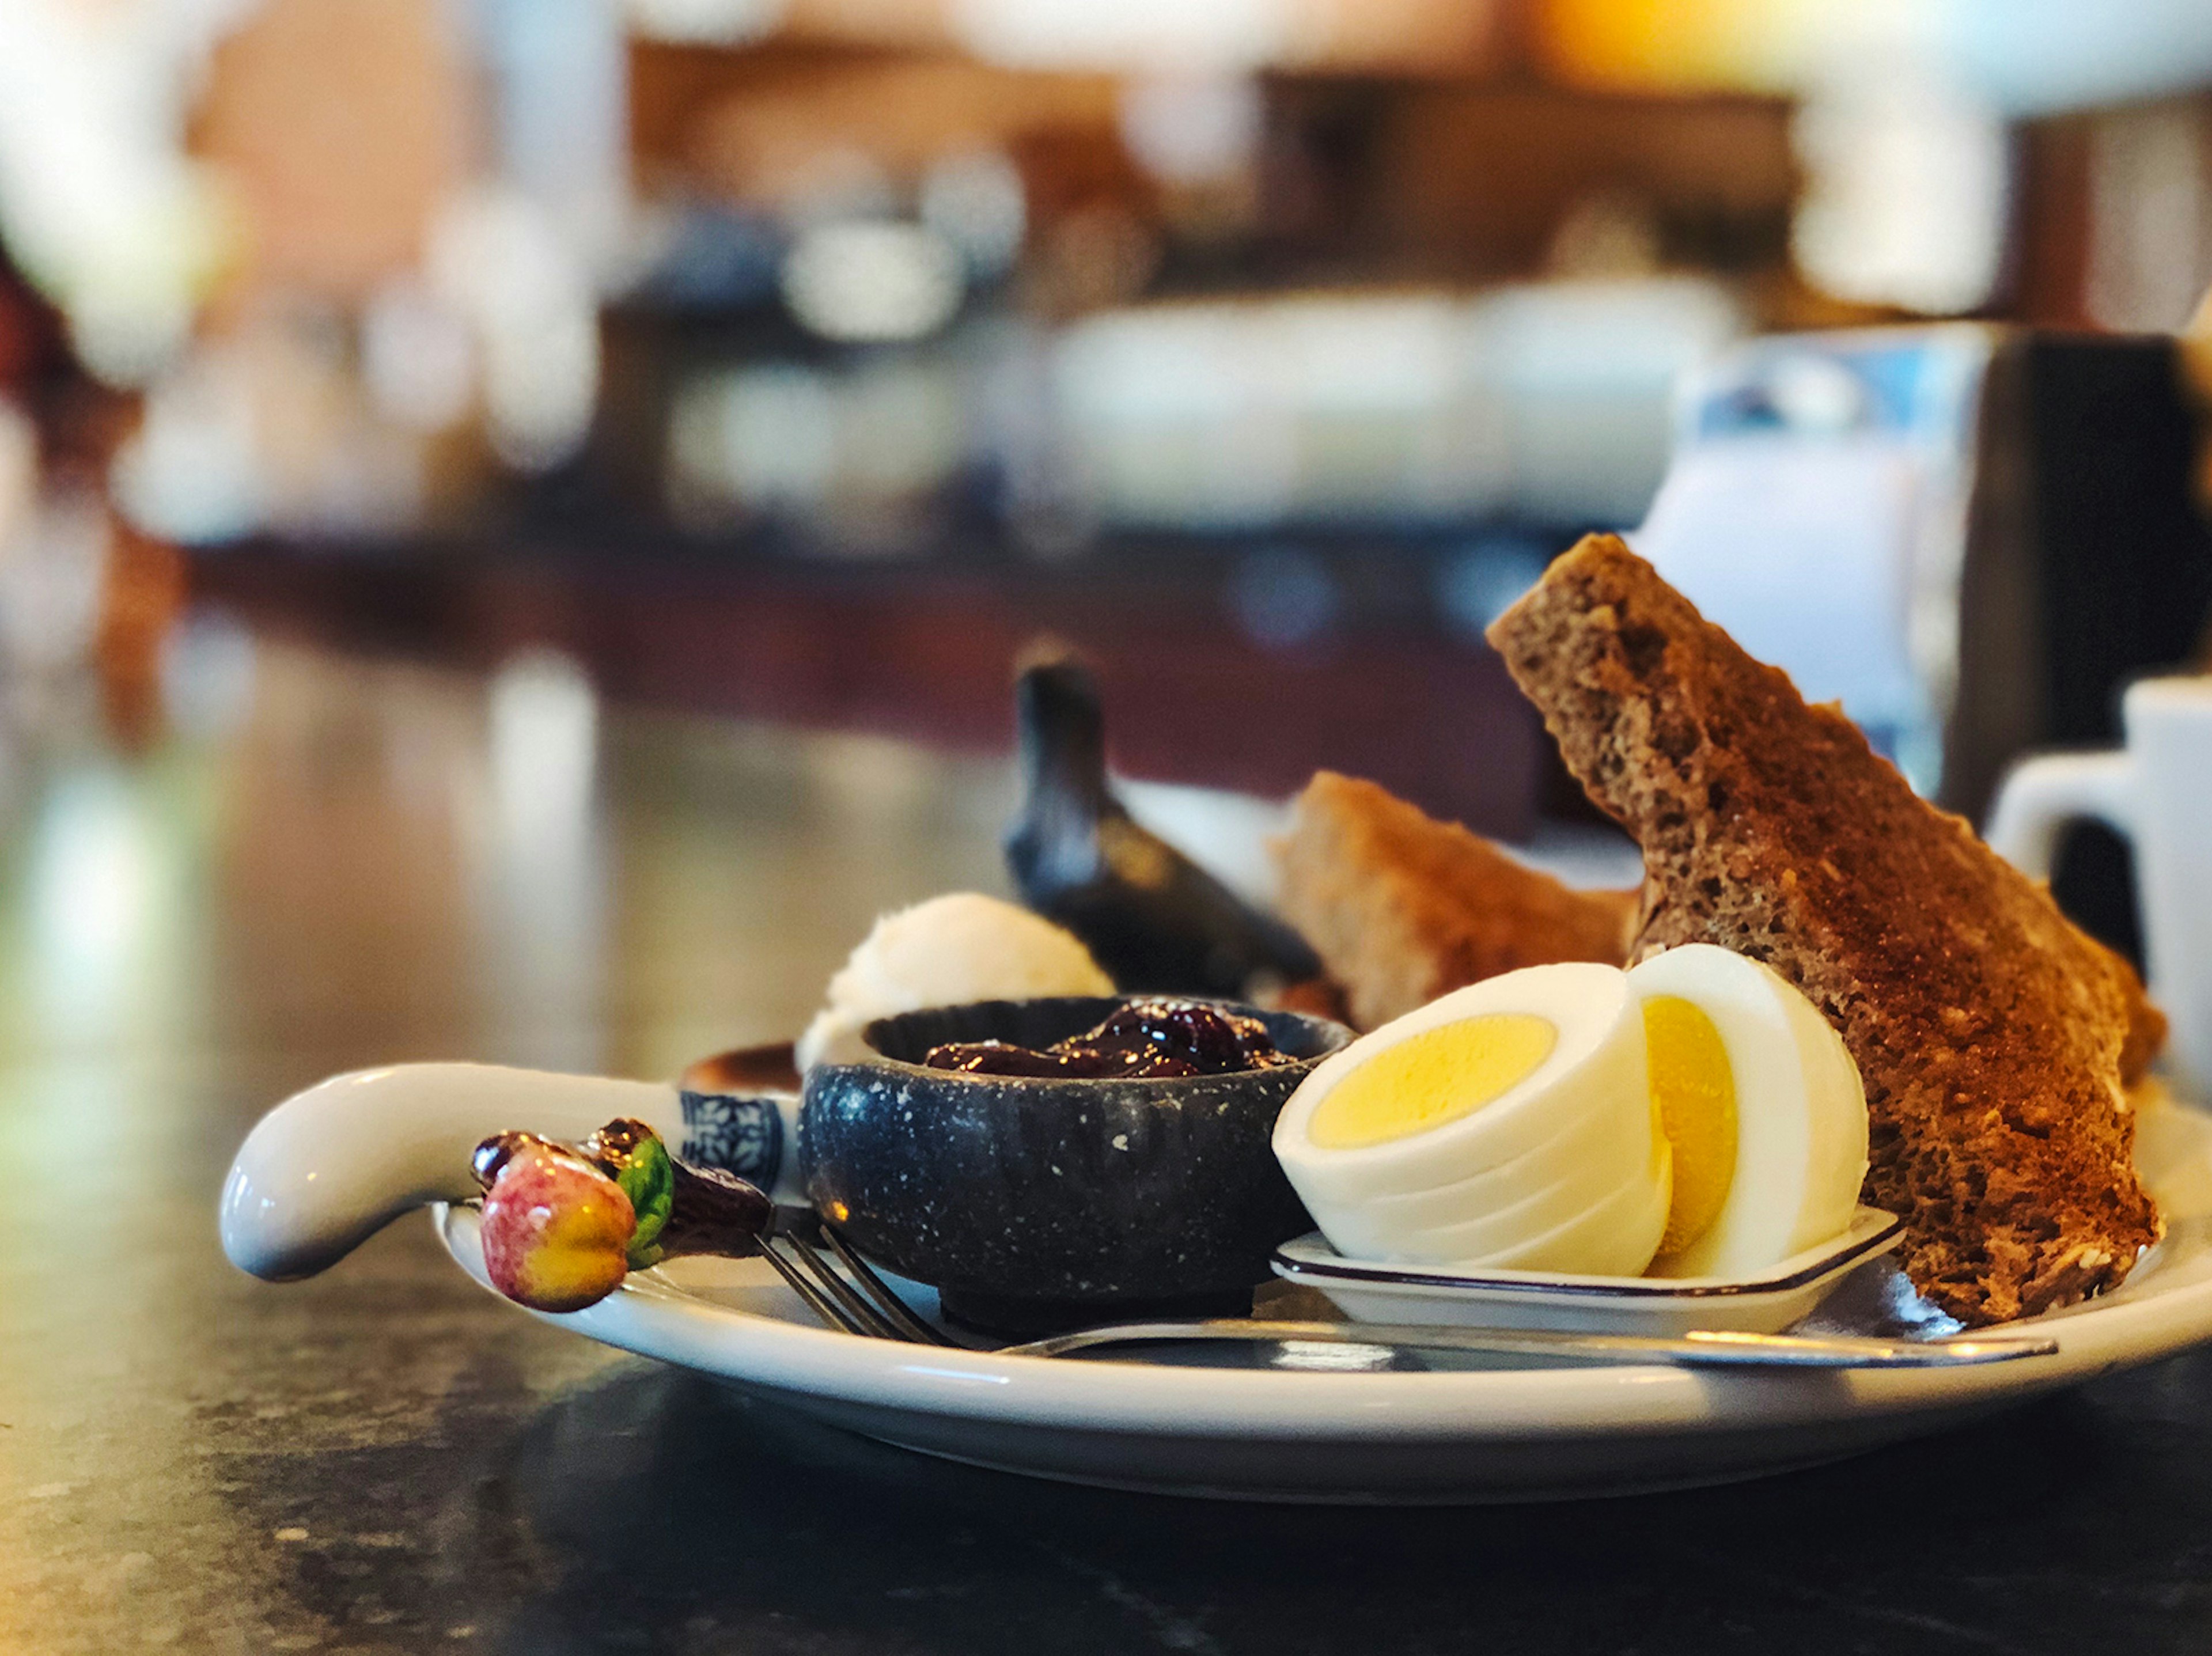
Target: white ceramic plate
[
  {"x": 1487, "y": 1297},
  {"x": 1310, "y": 1428}
]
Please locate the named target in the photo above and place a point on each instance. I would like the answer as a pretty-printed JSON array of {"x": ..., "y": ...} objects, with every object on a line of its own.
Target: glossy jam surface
[{"x": 1144, "y": 1039}]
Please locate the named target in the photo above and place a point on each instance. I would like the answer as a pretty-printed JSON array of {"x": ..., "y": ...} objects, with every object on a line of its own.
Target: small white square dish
[{"x": 1481, "y": 1296}]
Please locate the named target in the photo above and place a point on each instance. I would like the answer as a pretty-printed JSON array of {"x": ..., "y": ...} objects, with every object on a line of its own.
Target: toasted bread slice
[
  {"x": 1402, "y": 908},
  {"x": 1993, "y": 1036}
]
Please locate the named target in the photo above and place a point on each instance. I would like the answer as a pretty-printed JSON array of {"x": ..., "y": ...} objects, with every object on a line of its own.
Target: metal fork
[
  {"x": 807, "y": 1254},
  {"x": 856, "y": 1302}
]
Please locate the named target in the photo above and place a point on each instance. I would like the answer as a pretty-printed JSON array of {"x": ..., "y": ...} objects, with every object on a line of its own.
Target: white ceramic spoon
[{"x": 330, "y": 1166}]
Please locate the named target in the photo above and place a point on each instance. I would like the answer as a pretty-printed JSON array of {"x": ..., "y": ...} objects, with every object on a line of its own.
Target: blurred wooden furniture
[{"x": 926, "y": 651}]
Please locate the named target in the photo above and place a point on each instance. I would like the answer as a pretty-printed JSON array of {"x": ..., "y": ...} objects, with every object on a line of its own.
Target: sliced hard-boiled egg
[
  {"x": 1612, "y": 1236},
  {"x": 1569, "y": 1164},
  {"x": 1511, "y": 1111},
  {"x": 1762, "y": 1105},
  {"x": 1609, "y": 1239},
  {"x": 1432, "y": 1080},
  {"x": 1380, "y": 1228}
]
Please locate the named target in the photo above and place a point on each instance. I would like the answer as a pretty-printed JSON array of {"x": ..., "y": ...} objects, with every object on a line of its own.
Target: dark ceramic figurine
[{"x": 1154, "y": 920}]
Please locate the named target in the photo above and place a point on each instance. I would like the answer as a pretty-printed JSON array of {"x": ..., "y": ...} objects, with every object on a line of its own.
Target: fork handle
[{"x": 1699, "y": 1349}]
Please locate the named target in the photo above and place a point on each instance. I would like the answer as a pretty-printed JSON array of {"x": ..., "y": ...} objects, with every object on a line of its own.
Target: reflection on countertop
[{"x": 346, "y": 849}]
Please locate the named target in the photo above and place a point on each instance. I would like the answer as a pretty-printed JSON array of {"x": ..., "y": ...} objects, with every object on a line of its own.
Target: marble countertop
[{"x": 345, "y": 864}]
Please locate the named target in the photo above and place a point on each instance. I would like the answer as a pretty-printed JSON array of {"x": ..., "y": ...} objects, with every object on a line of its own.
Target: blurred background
[
  {"x": 463, "y": 395},
  {"x": 518, "y": 516}
]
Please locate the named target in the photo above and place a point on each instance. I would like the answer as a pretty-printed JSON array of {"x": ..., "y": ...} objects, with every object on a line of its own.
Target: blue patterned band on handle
[{"x": 737, "y": 1134}]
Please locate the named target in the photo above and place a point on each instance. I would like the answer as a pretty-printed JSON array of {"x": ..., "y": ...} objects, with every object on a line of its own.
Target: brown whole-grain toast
[
  {"x": 1402, "y": 908},
  {"x": 1994, "y": 1037}
]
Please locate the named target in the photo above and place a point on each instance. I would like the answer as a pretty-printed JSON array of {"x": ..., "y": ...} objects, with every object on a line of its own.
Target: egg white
[
  {"x": 1595, "y": 1018},
  {"x": 1372, "y": 1231},
  {"x": 1576, "y": 1160},
  {"x": 1574, "y": 1137},
  {"x": 1616, "y": 1238},
  {"x": 1801, "y": 1112}
]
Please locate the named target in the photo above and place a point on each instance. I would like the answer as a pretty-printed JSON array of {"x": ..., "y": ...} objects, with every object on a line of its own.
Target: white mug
[{"x": 2156, "y": 790}]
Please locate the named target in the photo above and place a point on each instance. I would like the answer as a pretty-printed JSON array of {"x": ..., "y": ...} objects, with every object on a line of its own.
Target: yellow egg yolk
[
  {"x": 1426, "y": 1080},
  {"x": 1693, "y": 1089}
]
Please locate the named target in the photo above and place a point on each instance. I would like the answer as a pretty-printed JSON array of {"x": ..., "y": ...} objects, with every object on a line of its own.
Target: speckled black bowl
[{"x": 1038, "y": 1203}]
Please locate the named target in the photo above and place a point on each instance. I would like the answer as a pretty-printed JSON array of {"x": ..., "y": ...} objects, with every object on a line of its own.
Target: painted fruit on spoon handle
[{"x": 563, "y": 1224}]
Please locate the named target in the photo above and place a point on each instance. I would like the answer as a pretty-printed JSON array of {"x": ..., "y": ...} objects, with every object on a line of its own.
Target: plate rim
[
  {"x": 663, "y": 1320},
  {"x": 1456, "y": 1420}
]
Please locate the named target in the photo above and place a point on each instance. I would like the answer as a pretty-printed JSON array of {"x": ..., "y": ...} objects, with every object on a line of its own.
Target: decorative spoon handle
[
  {"x": 329, "y": 1167},
  {"x": 1696, "y": 1350}
]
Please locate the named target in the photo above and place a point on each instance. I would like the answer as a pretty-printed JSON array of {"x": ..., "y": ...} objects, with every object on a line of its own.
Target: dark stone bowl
[{"x": 1031, "y": 1203}]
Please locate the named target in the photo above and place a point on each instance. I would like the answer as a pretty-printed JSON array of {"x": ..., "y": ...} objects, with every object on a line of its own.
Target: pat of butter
[{"x": 1428, "y": 1080}]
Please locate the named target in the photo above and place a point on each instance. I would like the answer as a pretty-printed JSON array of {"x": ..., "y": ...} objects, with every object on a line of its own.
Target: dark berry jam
[{"x": 1145, "y": 1038}]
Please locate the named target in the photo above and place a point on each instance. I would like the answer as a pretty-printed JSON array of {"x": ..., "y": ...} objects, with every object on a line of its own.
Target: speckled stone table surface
[{"x": 331, "y": 864}]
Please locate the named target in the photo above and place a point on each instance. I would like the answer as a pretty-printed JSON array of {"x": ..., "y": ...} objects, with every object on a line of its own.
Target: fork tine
[
  {"x": 823, "y": 1307},
  {"x": 893, "y": 1308},
  {"x": 868, "y": 1319}
]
